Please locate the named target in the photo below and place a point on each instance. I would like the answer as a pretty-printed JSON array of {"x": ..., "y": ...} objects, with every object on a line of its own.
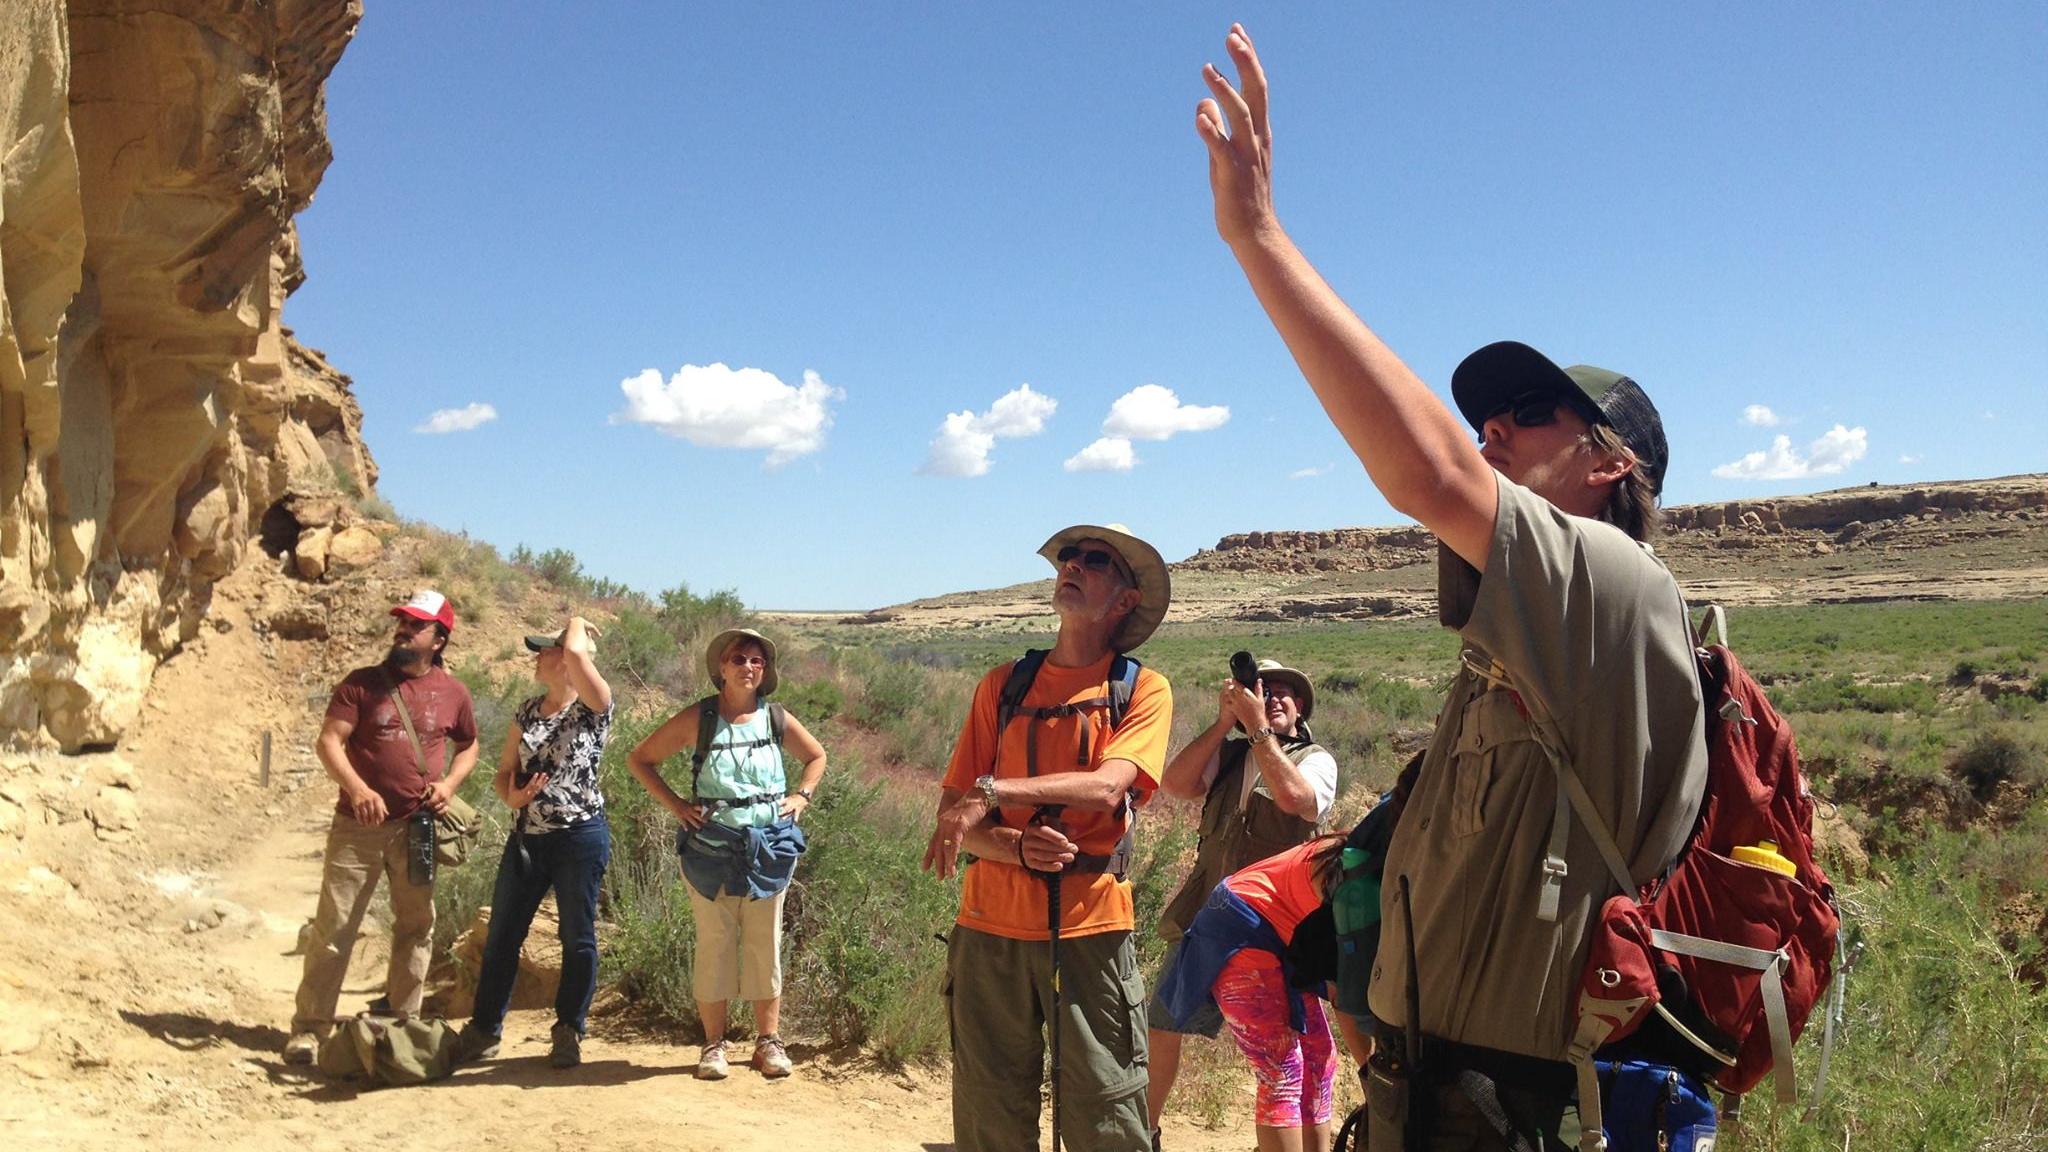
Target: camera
[{"x": 1244, "y": 669}]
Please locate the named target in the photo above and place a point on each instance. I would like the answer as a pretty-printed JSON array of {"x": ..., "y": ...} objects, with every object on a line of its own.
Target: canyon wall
[{"x": 153, "y": 407}]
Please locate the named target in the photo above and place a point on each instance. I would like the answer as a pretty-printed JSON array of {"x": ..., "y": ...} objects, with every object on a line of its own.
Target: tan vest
[{"x": 1240, "y": 825}]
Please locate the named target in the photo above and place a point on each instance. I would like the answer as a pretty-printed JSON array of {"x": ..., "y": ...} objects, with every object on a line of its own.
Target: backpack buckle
[{"x": 1554, "y": 871}]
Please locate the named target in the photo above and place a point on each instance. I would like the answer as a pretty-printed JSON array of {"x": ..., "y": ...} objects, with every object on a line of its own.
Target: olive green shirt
[{"x": 1591, "y": 632}]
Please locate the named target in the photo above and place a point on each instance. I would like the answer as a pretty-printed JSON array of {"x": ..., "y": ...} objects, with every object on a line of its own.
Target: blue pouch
[{"x": 1654, "y": 1107}]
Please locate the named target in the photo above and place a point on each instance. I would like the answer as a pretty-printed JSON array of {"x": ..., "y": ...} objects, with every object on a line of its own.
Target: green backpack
[{"x": 390, "y": 1050}]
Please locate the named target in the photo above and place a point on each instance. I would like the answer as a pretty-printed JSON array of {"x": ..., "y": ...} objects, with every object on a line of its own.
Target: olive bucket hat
[
  {"x": 1155, "y": 586},
  {"x": 714, "y": 655},
  {"x": 1273, "y": 671}
]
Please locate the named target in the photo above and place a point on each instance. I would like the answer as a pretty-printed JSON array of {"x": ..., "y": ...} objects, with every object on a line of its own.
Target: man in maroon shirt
[{"x": 384, "y": 780}]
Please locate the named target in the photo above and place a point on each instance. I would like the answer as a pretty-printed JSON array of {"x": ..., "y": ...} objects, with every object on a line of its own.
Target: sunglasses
[
  {"x": 1532, "y": 410},
  {"x": 1101, "y": 560},
  {"x": 739, "y": 661}
]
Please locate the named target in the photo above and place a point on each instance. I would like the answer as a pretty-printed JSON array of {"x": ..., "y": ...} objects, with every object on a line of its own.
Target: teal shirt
[{"x": 731, "y": 771}]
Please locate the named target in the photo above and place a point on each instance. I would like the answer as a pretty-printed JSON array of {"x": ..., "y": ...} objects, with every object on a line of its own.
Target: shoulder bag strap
[{"x": 419, "y": 755}]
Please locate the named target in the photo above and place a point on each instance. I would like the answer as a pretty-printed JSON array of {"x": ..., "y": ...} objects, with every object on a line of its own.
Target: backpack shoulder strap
[
  {"x": 1123, "y": 683},
  {"x": 707, "y": 726},
  {"x": 777, "y": 715},
  {"x": 1017, "y": 686}
]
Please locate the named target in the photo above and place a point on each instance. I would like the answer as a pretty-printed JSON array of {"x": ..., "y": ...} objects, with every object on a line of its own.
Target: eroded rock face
[{"x": 152, "y": 406}]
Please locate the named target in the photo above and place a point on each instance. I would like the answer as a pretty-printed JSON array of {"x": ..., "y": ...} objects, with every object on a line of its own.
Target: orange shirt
[
  {"x": 1282, "y": 889},
  {"x": 1001, "y": 897}
]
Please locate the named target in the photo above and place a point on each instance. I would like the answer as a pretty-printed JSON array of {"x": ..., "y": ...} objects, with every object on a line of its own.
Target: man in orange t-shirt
[{"x": 1050, "y": 792}]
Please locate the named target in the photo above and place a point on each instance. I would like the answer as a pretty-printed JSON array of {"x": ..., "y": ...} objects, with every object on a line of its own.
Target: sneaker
[
  {"x": 473, "y": 1043},
  {"x": 301, "y": 1048},
  {"x": 568, "y": 1047},
  {"x": 771, "y": 1059},
  {"x": 711, "y": 1063}
]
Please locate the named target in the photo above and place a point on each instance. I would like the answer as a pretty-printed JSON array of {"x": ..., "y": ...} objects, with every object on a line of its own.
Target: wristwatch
[
  {"x": 1261, "y": 734},
  {"x": 986, "y": 785},
  {"x": 803, "y": 792}
]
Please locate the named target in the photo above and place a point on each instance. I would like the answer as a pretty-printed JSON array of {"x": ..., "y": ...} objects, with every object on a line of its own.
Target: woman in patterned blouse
[{"x": 560, "y": 840}]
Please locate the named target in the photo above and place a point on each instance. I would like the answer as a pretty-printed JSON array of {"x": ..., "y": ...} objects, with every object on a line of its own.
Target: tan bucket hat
[
  {"x": 714, "y": 655},
  {"x": 1305, "y": 692},
  {"x": 1155, "y": 587}
]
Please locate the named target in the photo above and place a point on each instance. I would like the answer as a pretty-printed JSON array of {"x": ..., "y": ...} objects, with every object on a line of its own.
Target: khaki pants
[
  {"x": 999, "y": 993},
  {"x": 356, "y": 855},
  {"x": 739, "y": 947}
]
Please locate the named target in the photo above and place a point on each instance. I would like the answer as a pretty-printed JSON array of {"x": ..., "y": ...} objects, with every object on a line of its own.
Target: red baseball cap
[{"x": 427, "y": 604}]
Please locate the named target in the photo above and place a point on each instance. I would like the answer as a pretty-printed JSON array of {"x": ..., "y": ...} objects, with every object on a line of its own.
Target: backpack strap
[
  {"x": 707, "y": 726},
  {"x": 1122, "y": 685},
  {"x": 1016, "y": 687}
]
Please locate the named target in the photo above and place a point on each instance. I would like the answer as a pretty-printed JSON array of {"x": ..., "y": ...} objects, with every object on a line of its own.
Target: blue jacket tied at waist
[
  {"x": 754, "y": 862},
  {"x": 1224, "y": 925}
]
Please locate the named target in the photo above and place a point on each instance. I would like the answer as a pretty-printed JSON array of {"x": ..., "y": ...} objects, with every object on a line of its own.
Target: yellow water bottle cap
[{"x": 1766, "y": 855}]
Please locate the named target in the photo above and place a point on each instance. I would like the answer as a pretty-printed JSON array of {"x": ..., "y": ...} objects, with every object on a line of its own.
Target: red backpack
[{"x": 1753, "y": 942}]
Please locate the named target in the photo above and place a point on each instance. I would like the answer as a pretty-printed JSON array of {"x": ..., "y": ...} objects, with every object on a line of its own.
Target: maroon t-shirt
[{"x": 380, "y": 751}]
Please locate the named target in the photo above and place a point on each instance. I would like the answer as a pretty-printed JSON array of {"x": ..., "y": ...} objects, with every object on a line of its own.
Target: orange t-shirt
[
  {"x": 1282, "y": 889},
  {"x": 1001, "y": 897}
]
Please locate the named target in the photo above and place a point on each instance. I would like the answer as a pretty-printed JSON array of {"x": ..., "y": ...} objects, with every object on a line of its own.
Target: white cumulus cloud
[
  {"x": 447, "y": 420},
  {"x": 1834, "y": 451},
  {"x": 1153, "y": 412},
  {"x": 1109, "y": 454},
  {"x": 965, "y": 439},
  {"x": 714, "y": 406},
  {"x": 1761, "y": 416}
]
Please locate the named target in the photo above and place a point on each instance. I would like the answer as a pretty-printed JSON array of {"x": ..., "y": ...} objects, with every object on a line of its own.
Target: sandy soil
[{"x": 150, "y": 907}]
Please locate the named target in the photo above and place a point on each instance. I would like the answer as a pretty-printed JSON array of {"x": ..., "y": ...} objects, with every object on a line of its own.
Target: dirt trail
[{"x": 149, "y": 915}]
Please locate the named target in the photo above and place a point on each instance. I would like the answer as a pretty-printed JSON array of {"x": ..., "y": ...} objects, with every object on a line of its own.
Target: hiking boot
[
  {"x": 473, "y": 1043},
  {"x": 711, "y": 1063},
  {"x": 568, "y": 1047},
  {"x": 771, "y": 1059},
  {"x": 301, "y": 1048}
]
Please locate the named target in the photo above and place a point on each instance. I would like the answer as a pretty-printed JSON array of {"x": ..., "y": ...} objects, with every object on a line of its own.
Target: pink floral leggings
[{"x": 1297, "y": 1073}]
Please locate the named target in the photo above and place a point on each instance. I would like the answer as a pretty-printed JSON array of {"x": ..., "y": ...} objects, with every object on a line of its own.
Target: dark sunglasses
[
  {"x": 1530, "y": 410},
  {"x": 1097, "y": 558}
]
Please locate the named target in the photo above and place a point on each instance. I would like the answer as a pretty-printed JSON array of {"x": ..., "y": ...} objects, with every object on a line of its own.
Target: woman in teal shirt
[{"x": 739, "y": 838}]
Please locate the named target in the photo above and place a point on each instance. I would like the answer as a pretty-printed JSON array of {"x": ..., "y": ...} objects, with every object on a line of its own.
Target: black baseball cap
[{"x": 1500, "y": 372}]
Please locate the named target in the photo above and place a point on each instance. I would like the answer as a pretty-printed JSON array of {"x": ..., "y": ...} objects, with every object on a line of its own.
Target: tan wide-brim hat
[
  {"x": 1273, "y": 670},
  {"x": 1155, "y": 587},
  {"x": 714, "y": 655}
]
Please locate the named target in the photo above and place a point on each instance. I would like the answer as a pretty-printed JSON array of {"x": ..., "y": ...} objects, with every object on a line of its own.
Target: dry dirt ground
[{"x": 150, "y": 906}]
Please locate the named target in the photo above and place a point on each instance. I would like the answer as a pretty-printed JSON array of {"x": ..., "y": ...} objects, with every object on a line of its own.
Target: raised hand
[{"x": 1233, "y": 123}]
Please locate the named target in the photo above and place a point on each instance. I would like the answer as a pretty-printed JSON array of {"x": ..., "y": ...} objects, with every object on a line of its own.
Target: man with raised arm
[
  {"x": 1575, "y": 637},
  {"x": 1057, "y": 749}
]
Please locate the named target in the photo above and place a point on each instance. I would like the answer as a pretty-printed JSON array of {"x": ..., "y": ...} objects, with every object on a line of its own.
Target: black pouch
[
  {"x": 419, "y": 846},
  {"x": 522, "y": 861}
]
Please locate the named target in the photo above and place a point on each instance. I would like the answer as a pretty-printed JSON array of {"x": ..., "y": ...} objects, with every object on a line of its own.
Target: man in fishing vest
[
  {"x": 1057, "y": 751},
  {"x": 1265, "y": 786},
  {"x": 1576, "y": 646}
]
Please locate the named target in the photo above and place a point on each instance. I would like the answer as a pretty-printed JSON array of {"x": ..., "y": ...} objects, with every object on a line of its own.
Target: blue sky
[{"x": 877, "y": 216}]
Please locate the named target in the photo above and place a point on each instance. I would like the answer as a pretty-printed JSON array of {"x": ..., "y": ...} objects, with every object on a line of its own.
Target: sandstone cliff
[{"x": 153, "y": 408}]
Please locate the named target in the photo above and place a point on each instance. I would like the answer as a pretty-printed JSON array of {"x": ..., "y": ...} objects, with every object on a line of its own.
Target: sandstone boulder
[
  {"x": 309, "y": 555},
  {"x": 352, "y": 548},
  {"x": 113, "y": 811}
]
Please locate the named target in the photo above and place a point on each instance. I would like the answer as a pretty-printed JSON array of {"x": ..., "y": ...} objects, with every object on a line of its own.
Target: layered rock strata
[{"x": 153, "y": 408}]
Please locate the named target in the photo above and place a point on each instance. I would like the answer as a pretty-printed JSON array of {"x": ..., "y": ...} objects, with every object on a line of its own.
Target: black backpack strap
[
  {"x": 707, "y": 727},
  {"x": 1016, "y": 687},
  {"x": 777, "y": 715}
]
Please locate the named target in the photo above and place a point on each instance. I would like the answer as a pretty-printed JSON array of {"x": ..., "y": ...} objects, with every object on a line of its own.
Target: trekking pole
[
  {"x": 1047, "y": 815},
  {"x": 1415, "y": 1127}
]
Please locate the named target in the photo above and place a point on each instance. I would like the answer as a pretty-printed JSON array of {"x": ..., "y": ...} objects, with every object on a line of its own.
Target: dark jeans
[{"x": 572, "y": 862}]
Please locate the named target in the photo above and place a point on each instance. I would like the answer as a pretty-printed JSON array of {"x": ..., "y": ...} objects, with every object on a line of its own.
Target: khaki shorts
[{"x": 739, "y": 947}]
